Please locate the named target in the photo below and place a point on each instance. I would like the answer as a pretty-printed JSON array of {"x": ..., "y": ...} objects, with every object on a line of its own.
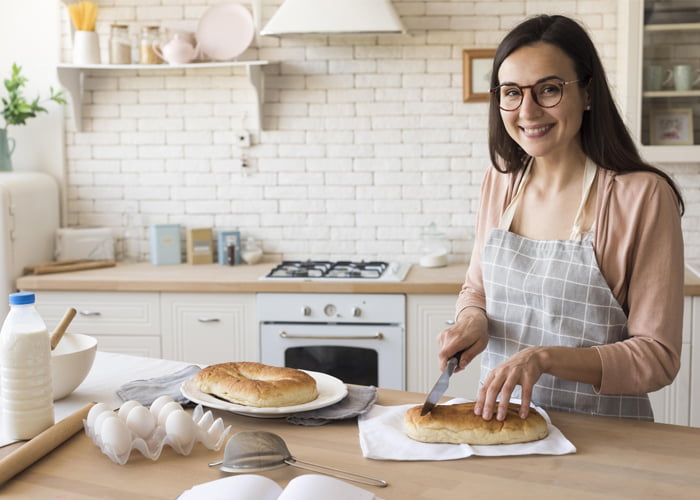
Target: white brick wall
[{"x": 366, "y": 140}]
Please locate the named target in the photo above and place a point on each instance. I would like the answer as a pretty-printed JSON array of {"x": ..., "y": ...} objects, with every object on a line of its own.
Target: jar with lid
[
  {"x": 26, "y": 389},
  {"x": 119, "y": 44},
  {"x": 150, "y": 36},
  {"x": 435, "y": 248}
]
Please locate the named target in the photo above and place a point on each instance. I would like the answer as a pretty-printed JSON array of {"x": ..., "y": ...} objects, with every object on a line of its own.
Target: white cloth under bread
[{"x": 382, "y": 437}]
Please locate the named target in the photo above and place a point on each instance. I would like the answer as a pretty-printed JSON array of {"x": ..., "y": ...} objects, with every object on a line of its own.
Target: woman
[{"x": 575, "y": 288}]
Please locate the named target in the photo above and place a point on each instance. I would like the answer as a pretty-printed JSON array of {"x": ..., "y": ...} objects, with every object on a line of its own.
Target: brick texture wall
[{"x": 365, "y": 139}]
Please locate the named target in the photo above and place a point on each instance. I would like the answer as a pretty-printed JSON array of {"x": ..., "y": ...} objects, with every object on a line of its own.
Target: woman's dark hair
[{"x": 604, "y": 136}]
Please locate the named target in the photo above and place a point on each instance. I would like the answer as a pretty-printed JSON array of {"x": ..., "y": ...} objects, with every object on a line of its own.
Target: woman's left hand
[{"x": 523, "y": 368}]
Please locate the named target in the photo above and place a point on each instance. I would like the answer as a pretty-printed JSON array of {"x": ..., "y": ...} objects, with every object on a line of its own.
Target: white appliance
[
  {"x": 338, "y": 271},
  {"x": 358, "y": 338},
  {"x": 29, "y": 217}
]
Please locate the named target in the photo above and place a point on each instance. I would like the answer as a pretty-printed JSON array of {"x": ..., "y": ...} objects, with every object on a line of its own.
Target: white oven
[{"x": 358, "y": 338}]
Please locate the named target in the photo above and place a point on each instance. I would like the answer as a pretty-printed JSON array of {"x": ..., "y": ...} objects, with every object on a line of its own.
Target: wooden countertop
[
  {"x": 144, "y": 277},
  {"x": 615, "y": 458}
]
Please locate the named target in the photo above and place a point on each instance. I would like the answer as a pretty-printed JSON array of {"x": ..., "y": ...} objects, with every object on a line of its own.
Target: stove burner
[{"x": 326, "y": 269}]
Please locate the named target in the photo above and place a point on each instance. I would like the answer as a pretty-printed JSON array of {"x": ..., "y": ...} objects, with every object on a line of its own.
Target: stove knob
[
  {"x": 330, "y": 310},
  {"x": 356, "y": 312},
  {"x": 306, "y": 311}
]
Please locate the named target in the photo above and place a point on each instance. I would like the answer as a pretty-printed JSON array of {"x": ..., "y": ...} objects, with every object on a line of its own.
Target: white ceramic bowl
[{"x": 71, "y": 362}]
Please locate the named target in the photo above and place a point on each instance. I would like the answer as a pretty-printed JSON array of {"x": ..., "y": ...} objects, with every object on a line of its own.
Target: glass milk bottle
[{"x": 26, "y": 391}]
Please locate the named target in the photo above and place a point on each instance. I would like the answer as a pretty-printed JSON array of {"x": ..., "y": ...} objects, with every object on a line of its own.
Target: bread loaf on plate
[
  {"x": 257, "y": 385},
  {"x": 458, "y": 424}
]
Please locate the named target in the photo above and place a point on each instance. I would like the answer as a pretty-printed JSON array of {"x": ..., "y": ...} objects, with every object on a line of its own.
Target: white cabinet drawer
[
  {"x": 101, "y": 313},
  {"x": 209, "y": 328}
]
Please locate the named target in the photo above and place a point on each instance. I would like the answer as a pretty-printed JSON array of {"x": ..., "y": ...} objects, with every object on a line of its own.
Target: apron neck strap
[{"x": 589, "y": 172}]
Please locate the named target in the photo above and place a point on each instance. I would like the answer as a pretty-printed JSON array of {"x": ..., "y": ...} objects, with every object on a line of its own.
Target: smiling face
[{"x": 547, "y": 133}]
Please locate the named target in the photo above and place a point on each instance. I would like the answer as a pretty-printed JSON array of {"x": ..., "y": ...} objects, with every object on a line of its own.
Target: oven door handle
[{"x": 376, "y": 336}]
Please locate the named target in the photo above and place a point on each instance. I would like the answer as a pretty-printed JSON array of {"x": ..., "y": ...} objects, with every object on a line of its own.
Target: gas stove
[{"x": 322, "y": 270}]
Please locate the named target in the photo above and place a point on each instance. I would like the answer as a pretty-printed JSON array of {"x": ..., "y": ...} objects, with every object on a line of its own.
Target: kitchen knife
[{"x": 441, "y": 385}]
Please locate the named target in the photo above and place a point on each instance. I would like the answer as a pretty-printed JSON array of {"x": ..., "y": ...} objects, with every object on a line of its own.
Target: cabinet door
[
  {"x": 123, "y": 322},
  {"x": 656, "y": 38},
  {"x": 694, "y": 353},
  {"x": 209, "y": 328},
  {"x": 671, "y": 404},
  {"x": 427, "y": 316}
]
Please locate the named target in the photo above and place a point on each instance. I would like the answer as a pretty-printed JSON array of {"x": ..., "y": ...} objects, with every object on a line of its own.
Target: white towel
[{"x": 382, "y": 437}]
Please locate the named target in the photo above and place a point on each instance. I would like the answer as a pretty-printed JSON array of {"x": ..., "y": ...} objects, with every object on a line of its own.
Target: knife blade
[{"x": 441, "y": 385}]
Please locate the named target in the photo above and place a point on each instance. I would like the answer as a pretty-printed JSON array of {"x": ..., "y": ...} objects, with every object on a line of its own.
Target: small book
[
  {"x": 256, "y": 487},
  {"x": 199, "y": 246},
  {"x": 165, "y": 244}
]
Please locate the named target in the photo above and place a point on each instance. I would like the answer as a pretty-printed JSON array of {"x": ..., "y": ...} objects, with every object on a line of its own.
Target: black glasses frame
[{"x": 495, "y": 93}]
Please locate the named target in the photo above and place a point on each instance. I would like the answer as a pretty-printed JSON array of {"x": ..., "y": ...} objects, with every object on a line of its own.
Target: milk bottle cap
[{"x": 21, "y": 298}]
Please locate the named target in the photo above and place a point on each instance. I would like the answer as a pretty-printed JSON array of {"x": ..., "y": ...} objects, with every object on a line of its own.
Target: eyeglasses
[{"x": 546, "y": 94}]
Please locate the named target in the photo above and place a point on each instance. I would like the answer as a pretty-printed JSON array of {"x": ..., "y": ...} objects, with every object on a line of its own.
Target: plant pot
[{"x": 7, "y": 146}]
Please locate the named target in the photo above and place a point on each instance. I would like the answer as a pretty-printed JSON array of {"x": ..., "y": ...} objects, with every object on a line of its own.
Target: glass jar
[
  {"x": 435, "y": 248},
  {"x": 150, "y": 36},
  {"x": 251, "y": 252},
  {"x": 119, "y": 44}
]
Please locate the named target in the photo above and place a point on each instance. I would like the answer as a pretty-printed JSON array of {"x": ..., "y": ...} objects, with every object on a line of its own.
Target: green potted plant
[{"x": 16, "y": 110}]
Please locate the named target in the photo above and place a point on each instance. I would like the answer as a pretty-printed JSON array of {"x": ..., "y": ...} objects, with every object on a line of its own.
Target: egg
[
  {"x": 166, "y": 410},
  {"x": 115, "y": 436},
  {"x": 94, "y": 412},
  {"x": 100, "y": 419},
  {"x": 159, "y": 402},
  {"x": 180, "y": 428},
  {"x": 126, "y": 408},
  {"x": 141, "y": 422}
]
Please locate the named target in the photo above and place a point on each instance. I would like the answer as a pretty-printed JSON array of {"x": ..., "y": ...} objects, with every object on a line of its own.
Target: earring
[{"x": 587, "y": 108}]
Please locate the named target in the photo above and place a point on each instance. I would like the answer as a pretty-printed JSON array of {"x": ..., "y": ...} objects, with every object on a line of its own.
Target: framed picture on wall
[
  {"x": 671, "y": 126},
  {"x": 476, "y": 74}
]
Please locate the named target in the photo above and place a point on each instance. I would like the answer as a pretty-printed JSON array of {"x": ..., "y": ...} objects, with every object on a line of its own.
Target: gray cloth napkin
[
  {"x": 147, "y": 391},
  {"x": 358, "y": 401}
]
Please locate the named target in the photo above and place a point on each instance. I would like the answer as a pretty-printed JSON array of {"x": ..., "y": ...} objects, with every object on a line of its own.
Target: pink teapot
[{"x": 176, "y": 51}]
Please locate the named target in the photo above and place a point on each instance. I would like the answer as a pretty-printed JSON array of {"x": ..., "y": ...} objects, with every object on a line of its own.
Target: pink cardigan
[{"x": 639, "y": 246}]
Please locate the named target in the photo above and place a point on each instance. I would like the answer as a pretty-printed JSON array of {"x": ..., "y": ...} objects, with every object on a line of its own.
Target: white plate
[
  {"x": 330, "y": 391},
  {"x": 225, "y": 31}
]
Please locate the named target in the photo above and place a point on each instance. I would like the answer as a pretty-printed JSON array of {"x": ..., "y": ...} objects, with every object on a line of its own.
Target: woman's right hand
[{"x": 469, "y": 333}]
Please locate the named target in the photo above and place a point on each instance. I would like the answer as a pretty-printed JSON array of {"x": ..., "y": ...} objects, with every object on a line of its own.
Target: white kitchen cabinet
[
  {"x": 209, "y": 328},
  {"x": 672, "y": 404},
  {"x": 427, "y": 316},
  {"x": 124, "y": 322},
  {"x": 692, "y": 353},
  {"x": 648, "y": 42}
]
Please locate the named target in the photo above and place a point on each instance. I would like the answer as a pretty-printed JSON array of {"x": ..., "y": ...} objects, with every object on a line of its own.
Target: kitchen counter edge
[
  {"x": 145, "y": 277},
  {"x": 215, "y": 278}
]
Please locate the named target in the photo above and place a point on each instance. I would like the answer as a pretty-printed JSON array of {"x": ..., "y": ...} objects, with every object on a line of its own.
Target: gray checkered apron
[{"x": 551, "y": 292}]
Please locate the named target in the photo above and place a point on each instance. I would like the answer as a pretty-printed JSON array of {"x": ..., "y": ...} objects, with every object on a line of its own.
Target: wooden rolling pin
[
  {"x": 43, "y": 444},
  {"x": 63, "y": 266}
]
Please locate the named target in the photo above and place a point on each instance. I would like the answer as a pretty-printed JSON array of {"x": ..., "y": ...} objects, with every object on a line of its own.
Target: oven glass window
[{"x": 352, "y": 365}]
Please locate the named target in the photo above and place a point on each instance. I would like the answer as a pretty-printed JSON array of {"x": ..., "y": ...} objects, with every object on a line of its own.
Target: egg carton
[{"x": 135, "y": 427}]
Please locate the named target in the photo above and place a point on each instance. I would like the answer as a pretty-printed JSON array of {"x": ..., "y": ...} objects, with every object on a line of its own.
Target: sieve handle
[{"x": 349, "y": 476}]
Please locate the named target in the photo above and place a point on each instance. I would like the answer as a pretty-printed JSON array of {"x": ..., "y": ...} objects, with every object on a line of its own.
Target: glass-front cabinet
[{"x": 659, "y": 76}]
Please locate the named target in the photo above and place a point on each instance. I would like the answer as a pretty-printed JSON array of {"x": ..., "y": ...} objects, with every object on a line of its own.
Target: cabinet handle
[
  {"x": 90, "y": 313},
  {"x": 376, "y": 336},
  {"x": 205, "y": 319},
  {"x": 450, "y": 322}
]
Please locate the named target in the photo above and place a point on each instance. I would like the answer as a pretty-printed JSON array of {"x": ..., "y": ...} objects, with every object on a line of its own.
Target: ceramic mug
[
  {"x": 684, "y": 77},
  {"x": 86, "y": 48},
  {"x": 655, "y": 77}
]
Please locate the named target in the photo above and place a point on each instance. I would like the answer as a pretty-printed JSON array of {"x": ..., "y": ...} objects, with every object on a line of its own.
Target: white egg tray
[{"x": 149, "y": 430}]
